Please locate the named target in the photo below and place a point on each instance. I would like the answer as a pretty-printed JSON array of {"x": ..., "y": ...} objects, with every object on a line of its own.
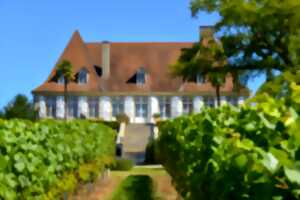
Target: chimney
[
  {"x": 206, "y": 31},
  {"x": 105, "y": 59}
]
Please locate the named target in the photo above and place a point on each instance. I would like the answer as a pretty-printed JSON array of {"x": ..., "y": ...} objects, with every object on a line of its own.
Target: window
[
  {"x": 141, "y": 106},
  {"x": 209, "y": 101},
  {"x": 93, "y": 107},
  {"x": 187, "y": 105},
  {"x": 61, "y": 80},
  {"x": 117, "y": 106},
  {"x": 51, "y": 106},
  {"x": 200, "y": 79},
  {"x": 140, "y": 77},
  {"x": 83, "y": 76},
  {"x": 232, "y": 100},
  {"x": 72, "y": 107},
  {"x": 165, "y": 107}
]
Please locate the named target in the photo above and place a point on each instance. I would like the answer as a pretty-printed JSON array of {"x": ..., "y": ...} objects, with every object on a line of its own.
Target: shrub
[
  {"x": 250, "y": 152},
  {"x": 135, "y": 187},
  {"x": 123, "y": 165},
  {"x": 123, "y": 118},
  {"x": 150, "y": 157},
  {"x": 115, "y": 125},
  {"x": 42, "y": 160}
]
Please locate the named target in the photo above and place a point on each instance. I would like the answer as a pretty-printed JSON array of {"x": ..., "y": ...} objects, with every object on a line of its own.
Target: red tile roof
[{"x": 125, "y": 60}]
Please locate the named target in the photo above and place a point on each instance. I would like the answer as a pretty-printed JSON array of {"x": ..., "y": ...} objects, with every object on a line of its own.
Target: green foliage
[
  {"x": 20, "y": 107},
  {"x": 123, "y": 165},
  {"x": 135, "y": 187},
  {"x": 201, "y": 59},
  {"x": 257, "y": 35},
  {"x": 150, "y": 157},
  {"x": 112, "y": 124},
  {"x": 42, "y": 160},
  {"x": 250, "y": 152},
  {"x": 65, "y": 69}
]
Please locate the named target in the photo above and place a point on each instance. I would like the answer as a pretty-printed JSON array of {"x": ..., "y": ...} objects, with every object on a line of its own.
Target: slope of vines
[
  {"x": 45, "y": 159},
  {"x": 250, "y": 152}
]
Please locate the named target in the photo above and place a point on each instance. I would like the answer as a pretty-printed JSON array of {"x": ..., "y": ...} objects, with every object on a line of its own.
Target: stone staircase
[{"x": 135, "y": 141}]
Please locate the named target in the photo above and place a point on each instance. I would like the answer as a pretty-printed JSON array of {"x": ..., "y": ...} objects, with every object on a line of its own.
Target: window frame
[
  {"x": 209, "y": 101},
  {"x": 82, "y": 77},
  {"x": 200, "y": 79},
  {"x": 118, "y": 105},
  {"x": 72, "y": 106},
  {"x": 164, "y": 106},
  {"x": 51, "y": 106},
  {"x": 93, "y": 103},
  {"x": 141, "y": 106},
  {"x": 141, "y": 77},
  {"x": 187, "y": 104},
  {"x": 61, "y": 80}
]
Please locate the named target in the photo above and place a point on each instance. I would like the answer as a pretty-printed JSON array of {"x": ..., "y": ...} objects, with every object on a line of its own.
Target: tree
[
  {"x": 1, "y": 114},
  {"x": 200, "y": 60},
  {"x": 258, "y": 35},
  {"x": 20, "y": 107},
  {"x": 64, "y": 70}
]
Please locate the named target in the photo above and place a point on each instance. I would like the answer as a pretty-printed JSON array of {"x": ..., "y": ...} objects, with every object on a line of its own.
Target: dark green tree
[
  {"x": 1, "y": 114},
  {"x": 200, "y": 60},
  {"x": 258, "y": 35},
  {"x": 64, "y": 70},
  {"x": 20, "y": 107}
]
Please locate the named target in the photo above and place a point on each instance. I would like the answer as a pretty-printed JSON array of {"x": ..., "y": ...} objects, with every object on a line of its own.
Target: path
[
  {"x": 102, "y": 191},
  {"x": 135, "y": 140}
]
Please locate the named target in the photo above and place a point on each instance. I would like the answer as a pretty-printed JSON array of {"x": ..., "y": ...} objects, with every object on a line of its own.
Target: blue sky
[{"x": 33, "y": 33}]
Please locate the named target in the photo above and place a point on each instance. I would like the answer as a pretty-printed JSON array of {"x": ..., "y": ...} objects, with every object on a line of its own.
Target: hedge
[
  {"x": 249, "y": 152},
  {"x": 45, "y": 159}
]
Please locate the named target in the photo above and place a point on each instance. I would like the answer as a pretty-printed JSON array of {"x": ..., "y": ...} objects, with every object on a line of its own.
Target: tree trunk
[
  {"x": 218, "y": 96},
  {"x": 66, "y": 100}
]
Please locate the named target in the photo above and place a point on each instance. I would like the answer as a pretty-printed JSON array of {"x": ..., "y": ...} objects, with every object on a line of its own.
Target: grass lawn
[
  {"x": 143, "y": 183},
  {"x": 135, "y": 187}
]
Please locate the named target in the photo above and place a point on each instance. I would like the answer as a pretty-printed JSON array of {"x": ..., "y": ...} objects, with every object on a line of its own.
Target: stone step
[{"x": 135, "y": 141}]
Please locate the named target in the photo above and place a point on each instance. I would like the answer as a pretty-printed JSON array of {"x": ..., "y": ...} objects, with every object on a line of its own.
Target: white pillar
[
  {"x": 154, "y": 107},
  {"x": 42, "y": 107},
  {"x": 105, "y": 108},
  {"x": 223, "y": 100},
  {"x": 198, "y": 104},
  {"x": 83, "y": 107},
  {"x": 176, "y": 106},
  {"x": 129, "y": 108},
  {"x": 241, "y": 100},
  {"x": 60, "y": 107}
]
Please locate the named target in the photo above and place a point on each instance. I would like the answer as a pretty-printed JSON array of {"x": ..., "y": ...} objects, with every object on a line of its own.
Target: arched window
[
  {"x": 140, "y": 76},
  {"x": 83, "y": 76}
]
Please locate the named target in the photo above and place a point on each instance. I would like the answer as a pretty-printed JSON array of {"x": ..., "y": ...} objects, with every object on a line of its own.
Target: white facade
[
  {"x": 60, "y": 107},
  {"x": 198, "y": 104},
  {"x": 83, "y": 107},
  {"x": 105, "y": 108},
  {"x": 42, "y": 107},
  {"x": 129, "y": 109},
  {"x": 176, "y": 106},
  {"x": 147, "y": 106}
]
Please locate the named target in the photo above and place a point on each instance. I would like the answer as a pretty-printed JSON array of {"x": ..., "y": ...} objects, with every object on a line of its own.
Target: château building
[{"x": 112, "y": 78}]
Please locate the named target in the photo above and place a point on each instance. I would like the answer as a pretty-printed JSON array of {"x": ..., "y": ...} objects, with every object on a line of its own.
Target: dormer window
[
  {"x": 83, "y": 76},
  {"x": 61, "y": 80},
  {"x": 140, "y": 77},
  {"x": 200, "y": 79}
]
